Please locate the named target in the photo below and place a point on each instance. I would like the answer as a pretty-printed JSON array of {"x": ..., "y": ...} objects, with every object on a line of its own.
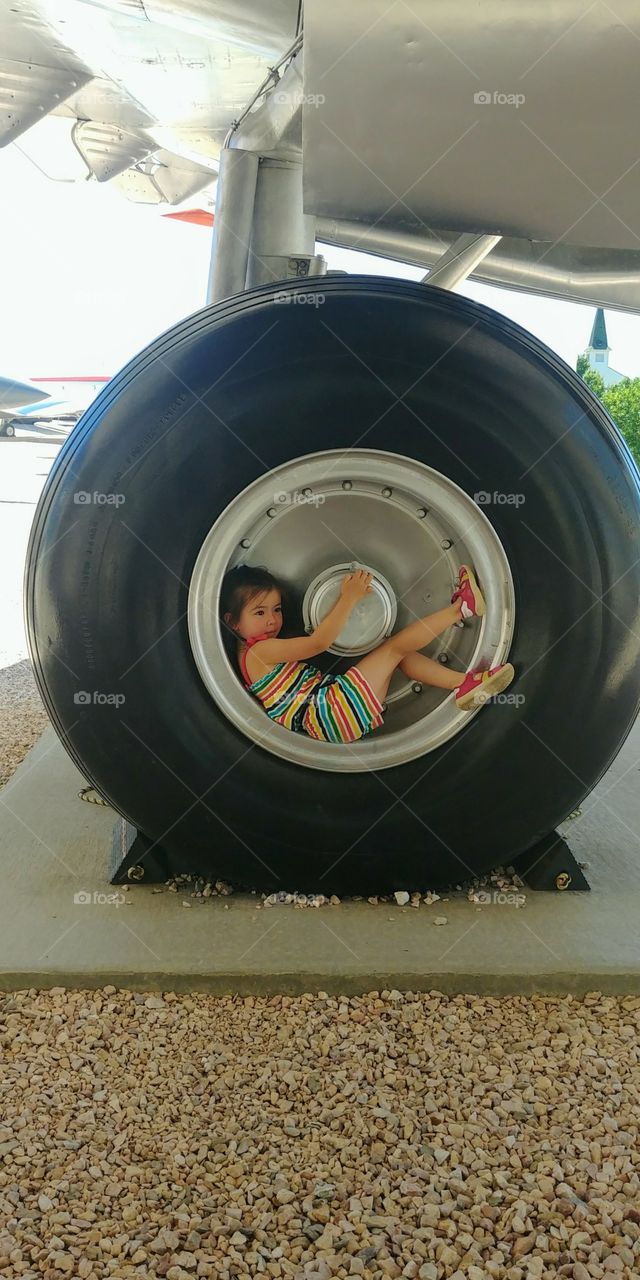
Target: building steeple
[
  {"x": 598, "y": 351},
  {"x": 598, "y": 339}
]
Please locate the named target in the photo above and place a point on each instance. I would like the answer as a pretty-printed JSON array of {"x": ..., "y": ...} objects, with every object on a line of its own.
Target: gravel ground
[
  {"x": 22, "y": 716},
  {"x": 385, "y": 1135}
]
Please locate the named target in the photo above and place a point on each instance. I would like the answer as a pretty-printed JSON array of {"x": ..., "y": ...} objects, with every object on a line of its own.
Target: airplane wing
[
  {"x": 139, "y": 95},
  {"x": 419, "y": 123},
  {"x": 44, "y": 409},
  {"x": 63, "y": 397}
]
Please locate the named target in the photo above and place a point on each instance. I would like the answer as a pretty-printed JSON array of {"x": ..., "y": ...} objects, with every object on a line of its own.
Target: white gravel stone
[
  {"x": 23, "y": 718},
  {"x": 187, "y": 1136}
]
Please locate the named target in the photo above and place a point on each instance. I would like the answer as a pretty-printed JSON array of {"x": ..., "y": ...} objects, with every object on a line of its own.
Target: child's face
[{"x": 263, "y": 613}]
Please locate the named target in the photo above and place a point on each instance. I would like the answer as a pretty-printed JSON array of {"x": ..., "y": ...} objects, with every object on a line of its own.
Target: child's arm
[{"x": 296, "y": 650}]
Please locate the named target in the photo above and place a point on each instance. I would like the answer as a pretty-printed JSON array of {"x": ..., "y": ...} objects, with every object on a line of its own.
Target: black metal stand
[
  {"x": 550, "y": 864},
  {"x": 134, "y": 857}
]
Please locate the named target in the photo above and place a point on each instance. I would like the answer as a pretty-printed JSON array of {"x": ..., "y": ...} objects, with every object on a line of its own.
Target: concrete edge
[{"x": 607, "y": 983}]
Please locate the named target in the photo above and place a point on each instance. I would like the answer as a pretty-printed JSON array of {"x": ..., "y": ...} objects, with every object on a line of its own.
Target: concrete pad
[{"x": 53, "y": 846}]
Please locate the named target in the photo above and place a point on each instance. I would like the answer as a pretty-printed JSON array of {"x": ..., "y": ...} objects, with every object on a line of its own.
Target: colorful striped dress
[{"x": 330, "y": 708}]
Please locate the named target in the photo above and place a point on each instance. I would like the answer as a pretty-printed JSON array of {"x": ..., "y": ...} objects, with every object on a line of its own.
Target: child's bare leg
[
  {"x": 378, "y": 666},
  {"x": 424, "y": 630},
  {"x": 417, "y": 666}
]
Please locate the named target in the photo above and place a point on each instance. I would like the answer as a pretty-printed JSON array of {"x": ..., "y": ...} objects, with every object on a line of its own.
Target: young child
[{"x": 334, "y": 707}]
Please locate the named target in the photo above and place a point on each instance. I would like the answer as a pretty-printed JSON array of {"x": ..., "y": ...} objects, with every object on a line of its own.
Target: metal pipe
[
  {"x": 596, "y": 277},
  {"x": 281, "y": 230},
  {"x": 235, "y": 199},
  {"x": 258, "y": 216}
]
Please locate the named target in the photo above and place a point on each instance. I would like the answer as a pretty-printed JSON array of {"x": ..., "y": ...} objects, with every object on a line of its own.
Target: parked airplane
[
  {"x": 14, "y": 395},
  {"x": 46, "y": 399}
]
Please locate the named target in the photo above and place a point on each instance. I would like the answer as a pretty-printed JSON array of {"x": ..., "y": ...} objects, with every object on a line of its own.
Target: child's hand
[{"x": 356, "y": 585}]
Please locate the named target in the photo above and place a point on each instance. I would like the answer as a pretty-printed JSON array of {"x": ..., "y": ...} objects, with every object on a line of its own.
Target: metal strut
[{"x": 460, "y": 260}]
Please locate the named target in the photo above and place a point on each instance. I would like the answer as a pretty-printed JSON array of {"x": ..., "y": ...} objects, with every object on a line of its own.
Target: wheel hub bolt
[
  {"x": 446, "y": 543},
  {"x": 443, "y": 657}
]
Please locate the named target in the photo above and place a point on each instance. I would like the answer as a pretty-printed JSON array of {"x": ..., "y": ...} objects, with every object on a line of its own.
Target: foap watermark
[
  {"x": 511, "y": 699},
  {"x": 484, "y": 98},
  {"x": 510, "y": 499},
  {"x": 300, "y": 299},
  {"x": 98, "y": 899},
  {"x": 299, "y": 99},
  {"x": 83, "y": 498},
  {"x": 298, "y": 497},
  {"x": 85, "y": 698},
  {"x": 498, "y": 898}
]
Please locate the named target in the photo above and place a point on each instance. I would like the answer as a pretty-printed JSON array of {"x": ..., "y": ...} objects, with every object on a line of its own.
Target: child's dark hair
[{"x": 239, "y": 586}]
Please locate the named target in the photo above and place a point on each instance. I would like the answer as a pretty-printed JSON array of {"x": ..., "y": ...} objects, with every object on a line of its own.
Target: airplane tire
[{"x": 210, "y": 407}]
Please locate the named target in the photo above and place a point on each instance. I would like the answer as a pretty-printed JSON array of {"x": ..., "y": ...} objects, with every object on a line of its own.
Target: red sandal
[
  {"x": 478, "y": 686},
  {"x": 468, "y": 591}
]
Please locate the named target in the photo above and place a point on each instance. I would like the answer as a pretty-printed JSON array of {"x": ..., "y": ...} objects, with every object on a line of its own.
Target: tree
[
  {"x": 593, "y": 379},
  {"x": 595, "y": 382},
  {"x": 621, "y": 401}
]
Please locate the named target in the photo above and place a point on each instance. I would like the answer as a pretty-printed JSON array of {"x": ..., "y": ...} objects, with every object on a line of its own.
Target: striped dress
[{"x": 330, "y": 708}]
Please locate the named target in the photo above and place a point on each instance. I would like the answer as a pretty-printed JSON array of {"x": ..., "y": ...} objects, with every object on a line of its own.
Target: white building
[{"x": 598, "y": 351}]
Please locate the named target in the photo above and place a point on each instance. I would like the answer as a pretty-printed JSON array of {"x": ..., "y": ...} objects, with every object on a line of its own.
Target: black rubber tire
[
  {"x": 7, "y": 429},
  {"x": 240, "y": 388}
]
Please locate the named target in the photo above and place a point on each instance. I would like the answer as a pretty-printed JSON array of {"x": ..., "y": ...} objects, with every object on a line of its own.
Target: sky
[{"x": 89, "y": 278}]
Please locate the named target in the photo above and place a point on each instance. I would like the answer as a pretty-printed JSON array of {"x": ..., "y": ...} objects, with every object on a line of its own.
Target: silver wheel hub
[
  {"x": 320, "y": 516},
  {"x": 369, "y": 623}
]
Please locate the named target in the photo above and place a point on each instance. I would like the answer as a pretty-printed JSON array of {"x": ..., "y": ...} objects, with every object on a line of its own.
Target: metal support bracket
[
  {"x": 550, "y": 864},
  {"x": 136, "y": 858}
]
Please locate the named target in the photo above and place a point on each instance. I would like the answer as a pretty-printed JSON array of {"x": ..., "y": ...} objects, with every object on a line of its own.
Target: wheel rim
[{"x": 311, "y": 520}]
